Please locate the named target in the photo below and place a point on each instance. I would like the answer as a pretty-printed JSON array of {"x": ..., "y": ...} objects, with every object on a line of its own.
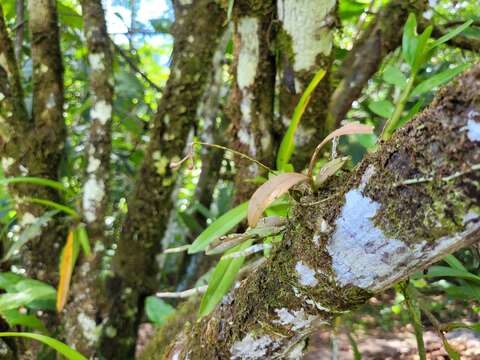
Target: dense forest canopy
[{"x": 227, "y": 179}]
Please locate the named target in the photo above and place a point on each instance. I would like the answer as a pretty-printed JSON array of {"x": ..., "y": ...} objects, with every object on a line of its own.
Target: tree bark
[
  {"x": 84, "y": 313},
  {"x": 197, "y": 28},
  {"x": 305, "y": 42},
  {"x": 378, "y": 227},
  {"x": 380, "y": 38},
  {"x": 253, "y": 91}
]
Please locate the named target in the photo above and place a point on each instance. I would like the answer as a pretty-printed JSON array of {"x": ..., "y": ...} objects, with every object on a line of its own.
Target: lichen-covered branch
[
  {"x": 83, "y": 316},
  {"x": 253, "y": 91},
  {"x": 197, "y": 28},
  {"x": 373, "y": 233},
  {"x": 382, "y": 36},
  {"x": 305, "y": 40}
]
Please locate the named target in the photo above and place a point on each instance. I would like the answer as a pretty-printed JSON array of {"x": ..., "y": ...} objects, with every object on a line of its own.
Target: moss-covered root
[{"x": 380, "y": 227}]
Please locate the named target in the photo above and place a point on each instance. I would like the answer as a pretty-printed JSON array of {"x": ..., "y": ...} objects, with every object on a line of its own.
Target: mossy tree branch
[{"x": 335, "y": 255}]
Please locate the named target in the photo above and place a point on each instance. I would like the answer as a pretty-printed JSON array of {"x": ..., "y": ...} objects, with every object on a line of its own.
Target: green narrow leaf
[
  {"x": 454, "y": 262},
  {"x": 287, "y": 145},
  {"x": 157, "y": 310},
  {"x": 230, "y": 9},
  {"x": 384, "y": 108},
  {"x": 82, "y": 236},
  {"x": 222, "y": 279},
  {"x": 60, "y": 347},
  {"x": 394, "y": 76},
  {"x": 409, "y": 40},
  {"x": 34, "y": 181},
  {"x": 412, "y": 112},
  {"x": 445, "y": 271},
  {"x": 438, "y": 79},
  {"x": 421, "y": 49},
  {"x": 451, "y": 34},
  {"x": 54, "y": 205},
  {"x": 219, "y": 227},
  {"x": 454, "y": 355}
]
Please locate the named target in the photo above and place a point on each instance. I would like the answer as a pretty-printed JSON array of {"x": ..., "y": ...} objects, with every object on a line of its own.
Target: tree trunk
[
  {"x": 197, "y": 29},
  {"x": 378, "y": 227},
  {"x": 84, "y": 313}
]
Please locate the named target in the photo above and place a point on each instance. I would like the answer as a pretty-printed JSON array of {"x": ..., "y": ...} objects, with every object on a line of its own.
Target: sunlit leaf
[
  {"x": 25, "y": 292},
  {"x": 268, "y": 192},
  {"x": 219, "y": 227},
  {"x": 409, "y": 40},
  {"x": 287, "y": 145},
  {"x": 60, "y": 347},
  {"x": 82, "y": 236},
  {"x": 66, "y": 269},
  {"x": 445, "y": 271}
]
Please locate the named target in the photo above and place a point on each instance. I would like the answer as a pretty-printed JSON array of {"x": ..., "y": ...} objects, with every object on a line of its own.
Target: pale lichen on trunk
[
  {"x": 252, "y": 100},
  {"x": 85, "y": 313},
  {"x": 305, "y": 42},
  {"x": 381, "y": 228}
]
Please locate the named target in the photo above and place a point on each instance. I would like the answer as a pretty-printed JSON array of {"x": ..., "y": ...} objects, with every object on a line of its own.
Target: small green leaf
[
  {"x": 412, "y": 112},
  {"x": 454, "y": 355},
  {"x": 9, "y": 281},
  {"x": 60, "y": 347},
  {"x": 287, "y": 145},
  {"x": 421, "y": 49},
  {"x": 222, "y": 279},
  {"x": 384, "y": 108},
  {"x": 454, "y": 262},
  {"x": 27, "y": 292},
  {"x": 409, "y": 40},
  {"x": 34, "y": 181},
  {"x": 14, "y": 318},
  {"x": 394, "y": 76},
  {"x": 219, "y": 227},
  {"x": 230, "y": 9},
  {"x": 451, "y": 34},
  {"x": 157, "y": 310},
  {"x": 438, "y": 79},
  {"x": 54, "y": 205}
]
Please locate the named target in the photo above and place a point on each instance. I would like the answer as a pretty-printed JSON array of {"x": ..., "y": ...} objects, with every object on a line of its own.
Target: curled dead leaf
[
  {"x": 348, "y": 129},
  {"x": 268, "y": 192}
]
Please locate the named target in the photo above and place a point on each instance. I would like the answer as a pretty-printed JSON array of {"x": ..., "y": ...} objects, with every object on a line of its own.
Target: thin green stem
[
  {"x": 415, "y": 318},
  {"x": 392, "y": 122}
]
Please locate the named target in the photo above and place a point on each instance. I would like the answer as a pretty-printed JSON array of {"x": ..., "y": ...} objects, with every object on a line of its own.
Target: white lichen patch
[
  {"x": 296, "y": 353},
  {"x": 101, "y": 111},
  {"x": 362, "y": 255},
  {"x": 2, "y": 96},
  {"x": 27, "y": 219},
  {"x": 304, "y": 21},
  {"x": 93, "y": 193},
  {"x": 93, "y": 164},
  {"x": 7, "y": 162},
  {"x": 306, "y": 275},
  {"x": 90, "y": 330},
  {"x": 43, "y": 69},
  {"x": 96, "y": 61},
  {"x": 250, "y": 347},
  {"x": 473, "y": 130},
  {"x": 248, "y": 57},
  {"x": 367, "y": 175},
  {"x": 3, "y": 62},
  {"x": 295, "y": 319},
  {"x": 50, "y": 101}
]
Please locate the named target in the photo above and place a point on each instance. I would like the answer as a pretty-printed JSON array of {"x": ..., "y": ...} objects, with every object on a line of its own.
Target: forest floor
[{"x": 399, "y": 344}]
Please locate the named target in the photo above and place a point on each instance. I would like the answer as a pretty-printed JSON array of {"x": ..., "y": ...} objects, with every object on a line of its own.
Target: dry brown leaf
[
  {"x": 329, "y": 169},
  {"x": 268, "y": 192},
  {"x": 66, "y": 268},
  {"x": 348, "y": 129}
]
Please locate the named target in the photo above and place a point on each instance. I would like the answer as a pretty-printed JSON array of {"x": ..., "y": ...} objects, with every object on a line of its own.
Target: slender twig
[
  {"x": 236, "y": 153},
  {"x": 183, "y": 294},
  {"x": 431, "y": 178},
  {"x": 135, "y": 67}
]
